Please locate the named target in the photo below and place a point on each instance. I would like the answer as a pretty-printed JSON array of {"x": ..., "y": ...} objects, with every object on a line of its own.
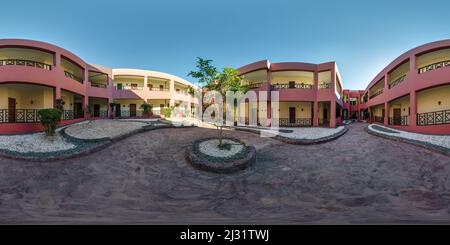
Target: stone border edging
[
  {"x": 422, "y": 144},
  {"x": 300, "y": 141},
  {"x": 83, "y": 146},
  {"x": 219, "y": 165}
]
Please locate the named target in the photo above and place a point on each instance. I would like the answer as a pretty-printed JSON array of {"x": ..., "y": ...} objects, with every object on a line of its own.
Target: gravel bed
[
  {"x": 37, "y": 142},
  {"x": 436, "y": 140},
  {"x": 210, "y": 147},
  {"x": 310, "y": 133},
  {"x": 99, "y": 129}
]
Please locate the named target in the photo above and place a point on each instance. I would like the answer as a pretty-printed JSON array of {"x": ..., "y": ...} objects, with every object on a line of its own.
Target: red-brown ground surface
[{"x": 358, "y": 178}]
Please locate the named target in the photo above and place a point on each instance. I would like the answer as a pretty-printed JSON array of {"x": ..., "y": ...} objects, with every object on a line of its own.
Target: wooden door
[
  {"x": 117, "y": 110},
  {"x": 96, "y": 110},
  {"x": 325, "y": 115},
  {"x": 132, "y": 110},
  {"x": 11, "y": 110},
  {"x": 291, "y": 114},
  {"x": 161, "y": 109},
  {"x": 397, "y": 116}
]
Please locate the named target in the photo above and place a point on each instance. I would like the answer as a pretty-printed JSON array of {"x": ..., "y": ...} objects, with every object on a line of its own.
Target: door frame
[
  {"x": 292, "y": 115},
  {"x": 12, "y": 112}
]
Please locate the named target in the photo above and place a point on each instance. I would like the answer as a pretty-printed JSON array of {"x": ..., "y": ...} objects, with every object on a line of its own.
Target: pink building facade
[{"x": 35, "y": 75}]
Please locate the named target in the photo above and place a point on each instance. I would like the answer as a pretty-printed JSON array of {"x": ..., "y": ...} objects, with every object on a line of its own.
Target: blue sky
[{"x": 167, "y": 35}]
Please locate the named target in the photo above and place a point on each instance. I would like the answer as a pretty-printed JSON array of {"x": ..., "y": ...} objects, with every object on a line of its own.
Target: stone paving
[{"x": 357, "y": 178}]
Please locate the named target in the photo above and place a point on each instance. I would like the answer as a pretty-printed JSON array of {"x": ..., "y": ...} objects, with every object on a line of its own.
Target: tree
[{"x": 227, "y": 80}]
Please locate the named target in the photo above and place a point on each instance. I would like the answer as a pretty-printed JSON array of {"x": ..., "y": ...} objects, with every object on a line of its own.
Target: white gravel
[
  {"x": 210, "y": 148},
  {"x": 98, "y": 129},
  {"x": 310, "y": 133},
  {"x": 439, "y": 140},
  {"x": 36, "y": 142}
]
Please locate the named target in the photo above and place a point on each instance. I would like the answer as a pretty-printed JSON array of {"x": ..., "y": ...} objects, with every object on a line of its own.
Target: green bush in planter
[
  {"x": 50, "y": 119},
  {"x": 167, "y": 112}
]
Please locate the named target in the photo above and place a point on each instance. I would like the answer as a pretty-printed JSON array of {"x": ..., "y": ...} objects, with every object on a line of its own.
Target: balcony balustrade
[
  {"x": 324, "y": 85},
  {"x": 434, "y": 66},
  {"x": 397, "y": 82},
  {"x": 298, "y": 122},
  {"x": 292, "y": 86},
  {"x": 30, "y": 63},
  {"x": 255, "y": 85},
  {"x": 402, "y": 121},
  {"x": 376, "y": 93},
  {"x": 70, "y": 75},
  {"x": 378, "y": 119},
  {"x": 99, "y": 85},
  {"x": 30, "y": 115},
  {"x": 433, "y": 118}
]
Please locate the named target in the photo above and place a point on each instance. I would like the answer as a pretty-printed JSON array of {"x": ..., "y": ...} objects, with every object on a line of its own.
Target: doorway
[
  {"x": 397, "y": 116},
  {"x": 132, "y": 110},
  {"x": 96, "y": 110},
  {"x": 291, "y": 115},
  {"x": 11, "y": 110},
  {"x": 161, "y": 109},
  {"x": 117, "y": 110}
]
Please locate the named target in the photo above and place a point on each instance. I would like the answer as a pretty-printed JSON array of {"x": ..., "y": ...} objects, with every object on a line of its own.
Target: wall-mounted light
[
  {"x": 439, "y": 102},
  {"x": 31, "y": 102},
  {"x": 302, "y": 109}
]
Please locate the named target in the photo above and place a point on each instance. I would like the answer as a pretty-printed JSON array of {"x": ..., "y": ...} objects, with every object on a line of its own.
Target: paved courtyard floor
[{"x": 357, "y": 178}]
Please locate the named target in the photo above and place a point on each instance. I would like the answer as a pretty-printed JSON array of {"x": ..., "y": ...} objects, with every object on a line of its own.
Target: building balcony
[
  {"x": 31, "y": 115},
  {"x": 324, "y": 85},
  {"x": 397, "y": 81},
  {"x": 434, "y": 66},
  {"x": 73, "y": 76},
  {"x": 99, "y": 85},
  {"x": 376, "y": 93},
  {"x": 292, "y": 86},
  {"x": 29, "y": 63}
]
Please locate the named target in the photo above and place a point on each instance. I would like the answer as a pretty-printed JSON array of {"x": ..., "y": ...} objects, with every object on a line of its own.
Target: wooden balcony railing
[
  {"x": 433, "y": 118},
  {"x": 19, "y": 62},
  {"x": 397, "y": 81},
  {"x": 434, "y": 66},
  {"x": 402, "y": 121},
  {"x": 298, "y": 122}
]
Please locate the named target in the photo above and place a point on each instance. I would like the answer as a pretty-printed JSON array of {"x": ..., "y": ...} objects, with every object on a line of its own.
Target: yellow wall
[
  {"x": 324, "y": 76},
  {"x": 402, "y": 103},
  {"x": 102, "y": 102},
  {"x": 71, "y": 67},
  {"x": 68, "y": 98},
  {"x": 156, "y": 82},
  {"x": 427, "y": 101},
  {"x": 128, "y": 80},
  {"x": 26, "y": 54},
  {"x": 433, "y": 57},
  {"x": 377, "y": 111},
  {"x": 284, "y": 77},
  {"x": 255, "y": 77},
  {"x": 324, "y": 105},
  {"x": 42, "y": 97},
  {"x": 306, "y": 113},
  {"x": 398, "y": 72}
]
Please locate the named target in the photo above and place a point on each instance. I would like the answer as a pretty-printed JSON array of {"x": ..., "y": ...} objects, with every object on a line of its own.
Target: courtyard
[{"x": 357, "y": 178}]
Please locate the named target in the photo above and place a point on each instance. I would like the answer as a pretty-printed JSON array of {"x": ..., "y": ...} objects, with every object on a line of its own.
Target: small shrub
[
  {"x": 147, "y": 109},
  {"x": 50, "y": 119},
  {"x": 167, "y": 112}
]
